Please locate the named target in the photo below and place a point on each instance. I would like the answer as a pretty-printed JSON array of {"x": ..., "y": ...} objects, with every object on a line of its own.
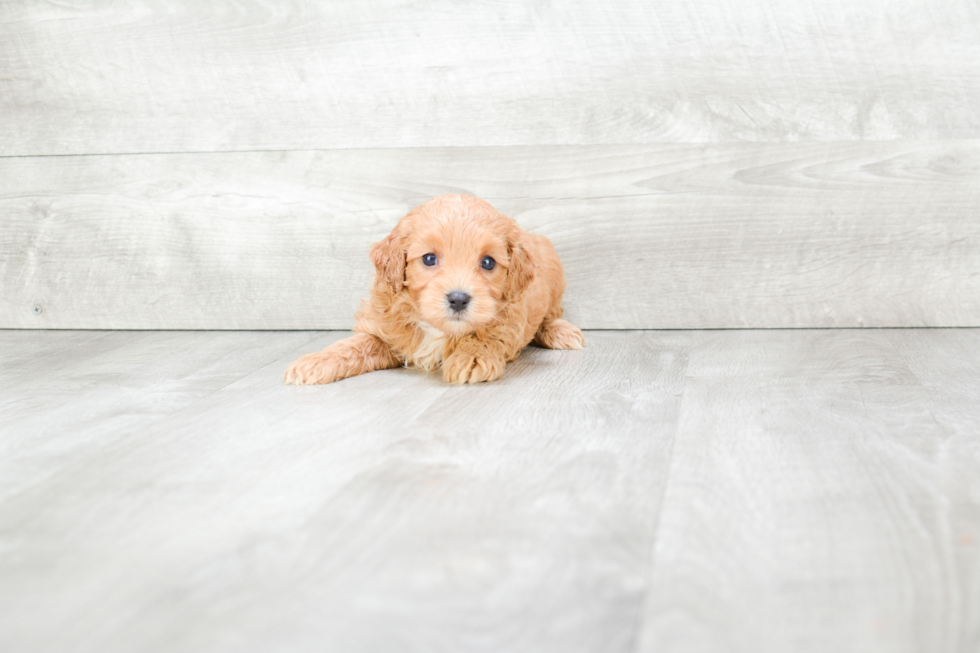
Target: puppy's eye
[
  {"x": 429, "y": 259},
  {"x": 487, "y": 263}
]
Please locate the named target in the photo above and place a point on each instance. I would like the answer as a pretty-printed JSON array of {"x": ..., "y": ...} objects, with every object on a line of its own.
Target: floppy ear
[
  {"x": 520, "y": 272},
  {"x": 389, "y": 261}
]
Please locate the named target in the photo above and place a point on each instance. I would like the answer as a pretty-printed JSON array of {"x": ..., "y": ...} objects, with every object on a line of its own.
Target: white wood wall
[{"x": 755, "y": 163}]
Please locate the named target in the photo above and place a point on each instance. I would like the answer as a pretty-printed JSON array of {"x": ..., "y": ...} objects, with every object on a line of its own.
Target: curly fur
[{"x": 407, "y": 319}]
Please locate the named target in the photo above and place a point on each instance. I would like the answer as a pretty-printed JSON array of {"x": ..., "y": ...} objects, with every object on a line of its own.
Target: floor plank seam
[{"x": 636, "y": 640}]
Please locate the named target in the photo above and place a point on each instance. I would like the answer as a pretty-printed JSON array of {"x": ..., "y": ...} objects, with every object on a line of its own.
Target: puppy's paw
[
  {"x": 461, "y": 367},
  {"x": 560, "y": 334},
  {"x": 311, "y": 369}
]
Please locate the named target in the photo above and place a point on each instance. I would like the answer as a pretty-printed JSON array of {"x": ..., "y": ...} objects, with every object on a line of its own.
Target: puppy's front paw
[
  {"x": 311, "y": 369},
  {"x": 461, "y": 367}
]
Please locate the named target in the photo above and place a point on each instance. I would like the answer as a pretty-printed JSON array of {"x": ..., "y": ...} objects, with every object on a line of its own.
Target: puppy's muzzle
[{"x": 458, "y": 301}]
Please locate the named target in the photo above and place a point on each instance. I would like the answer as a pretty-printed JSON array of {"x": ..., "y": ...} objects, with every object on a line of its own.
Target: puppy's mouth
[{"x": 458, "y": 322}]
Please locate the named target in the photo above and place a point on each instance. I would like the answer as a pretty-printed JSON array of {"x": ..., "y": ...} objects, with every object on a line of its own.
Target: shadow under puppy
[{"x": 458, "y": 285}]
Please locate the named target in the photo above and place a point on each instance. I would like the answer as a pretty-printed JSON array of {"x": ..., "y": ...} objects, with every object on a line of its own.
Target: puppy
[{"x": 458, "y": 286}]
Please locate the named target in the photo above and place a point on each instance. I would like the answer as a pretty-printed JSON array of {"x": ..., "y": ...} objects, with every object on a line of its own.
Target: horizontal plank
[
  {"x": 162, "y": 76},
  {"x": 652, "y": 236}
]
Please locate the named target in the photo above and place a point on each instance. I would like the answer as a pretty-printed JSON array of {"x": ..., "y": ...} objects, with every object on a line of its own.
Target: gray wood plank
[
  {"x": 385, "y": 512},
  {"x": 161, "y": 76},
  {"x": 652, "y": 236},
  {"x": 64, "y": 397},
  {"x": 754, "y": 491},
  {"x": 822, "y": 496}
]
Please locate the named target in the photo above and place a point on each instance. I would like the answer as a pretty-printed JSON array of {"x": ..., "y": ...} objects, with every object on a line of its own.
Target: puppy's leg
[
  {"x": 348, "y": 357},
  {"x": 473, "y": 360},
  {"x": 559, "y": 334}
]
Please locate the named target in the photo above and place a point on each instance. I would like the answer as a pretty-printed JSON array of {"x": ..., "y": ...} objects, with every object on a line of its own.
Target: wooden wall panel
[
  {"x": 652, "y": 236},
  {"x": 175, "y": 76}
]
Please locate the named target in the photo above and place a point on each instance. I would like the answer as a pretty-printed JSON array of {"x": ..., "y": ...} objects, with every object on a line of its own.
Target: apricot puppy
[{"x": 458, "y": 286}]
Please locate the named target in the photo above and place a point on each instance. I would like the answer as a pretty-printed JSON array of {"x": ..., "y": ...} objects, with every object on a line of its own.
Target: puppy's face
[
  {"x": 456, "y": 269},
  {"x": 458, "y": 258}
]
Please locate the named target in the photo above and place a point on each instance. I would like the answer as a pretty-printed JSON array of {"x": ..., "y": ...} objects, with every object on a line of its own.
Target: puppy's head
[{"x": 458, "y": 258}]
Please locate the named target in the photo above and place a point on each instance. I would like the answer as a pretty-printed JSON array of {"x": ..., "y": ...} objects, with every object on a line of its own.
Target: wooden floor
[{"x": 668, "y": 491}]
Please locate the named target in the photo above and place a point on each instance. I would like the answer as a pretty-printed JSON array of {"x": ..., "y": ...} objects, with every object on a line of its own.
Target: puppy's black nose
[{"x": 458, "y": 301}]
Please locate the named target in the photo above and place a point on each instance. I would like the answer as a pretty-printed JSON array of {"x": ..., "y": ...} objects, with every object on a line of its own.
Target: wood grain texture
[
  {"x": 163, "y": 76},
  {"x": 651, "y": 236},
  {"x": 823, "y": 468},
  {"x": 757, "y": 491},
  {"x": 385, "y": 512}
]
